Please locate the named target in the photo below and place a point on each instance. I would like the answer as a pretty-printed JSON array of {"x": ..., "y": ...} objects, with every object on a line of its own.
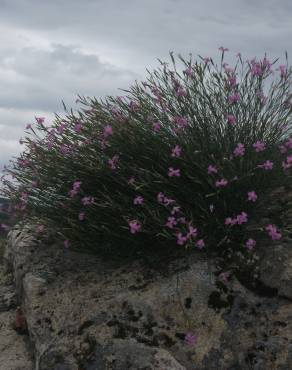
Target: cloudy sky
[{"x": 53, "y": 50}]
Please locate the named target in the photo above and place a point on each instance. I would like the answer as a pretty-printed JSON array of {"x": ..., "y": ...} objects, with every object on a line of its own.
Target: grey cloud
[
  {"x": 12, "y": 128},
  {"x": 39, "y": 79},
  {"x": 34, "y": 81},
  {"x": 77, "y": 39},
  {"x": 135, "y": 33}
]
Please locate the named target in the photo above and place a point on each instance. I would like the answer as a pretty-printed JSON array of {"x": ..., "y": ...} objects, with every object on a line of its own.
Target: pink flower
[
  {"x": 76, "y": 185},
  {"x": 172, "y": 172},
  {"x": 223, "y": 49},
  {"x": 192, "y": 232},
  {"x": 259, "y": 146},
  {"x": 181, "y": 121},
  {"x": 40, "y": 120},
  {"x": 131, "y": 180},
  {"x": 288, "y": 162},
  {"x": 81, "y": 216},
  {"x": 288, "y": 143},
  {"x": 256, "y": 68},
  {"x": 273, "y": 232},
  {"x": 232, "y": 81},
  {"x": 86, "y": 201},
  {"x": 230, "y": 221},
  {"x": 76, "y": 188},
  {"x": 72, "y": 193},
  {"x": 239, "y": 150},
  {"x": 271, "y": 227},
  {"x": 190, "y": 339},
  {"x": 252, "y": 196},
  {"x": 239, "y": 219},
  {"x": 200, "y": 243},
  {"x": 276, "y": 236},
  {"x": 40, "y": 228},
  {"x": 250, "y": 243},
  {"x": 64, "y": 149},
  {"x": 283, "y": 70},
  {"x": 23, "y": 162},
  {"x": 168, "y": 201},
  {"x": 160, "y": 197},
  {"x": 113, "y": 161},
  {"x": 231, "y": 119},
  {"x": 175, "y": 210},
  {"x": 176, "y": 151},
  {"x": 28, "y": 126},
  {"x": 77, "y": 127},
  {"x": 286, "y": 165},
  {"x": 234, "y": 98},
  {"x": 180, "y": 92},
  {"x": 242, "y": 218},
  {"x": 181, "y": 239},
  {"x": 156, "y": 126},
  {"x": 266, "y": 64},
  {"x": 61, "y": 128},
  {"x": 66, "y": 243},
  {"x": 134, "y": 107},
  {"x": 188, "y": 71},
  {"x": 138, "y": 200},
  {"x": 221, "y": 183},
  {"x": 182, "y": 220},
  {"x": 134, "y": 226},
  {"x": 268, "y": 165},
  {"x": 171, "y": 222},
  {"x": 212, "y": 169},
  {"x": 175, "y": 81},
  {"x": 50, "y": 144},
  {"x": 206, "y": 60},
  {"x": 108, "y": 130},
  {"x": 119, "y": 115}
]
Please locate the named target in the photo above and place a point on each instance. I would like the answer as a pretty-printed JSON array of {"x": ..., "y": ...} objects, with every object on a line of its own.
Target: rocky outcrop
[
  {"x": 15, "y": 352},
  {"x": 85, "y": 314}
]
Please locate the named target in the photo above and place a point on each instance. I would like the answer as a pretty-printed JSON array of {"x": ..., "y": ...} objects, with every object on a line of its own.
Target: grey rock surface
[
  {"x": 84, "y": 313},
  {"x": 15, "y": 353}
]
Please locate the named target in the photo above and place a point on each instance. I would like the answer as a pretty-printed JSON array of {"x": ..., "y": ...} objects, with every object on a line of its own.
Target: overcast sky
[{"x": 53, "y": 50}]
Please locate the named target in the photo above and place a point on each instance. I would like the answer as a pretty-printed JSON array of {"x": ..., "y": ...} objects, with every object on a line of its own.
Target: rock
[
  {"x": 14, "y": 349},
  {"x": 20, "y": 324},
  {"x": 15, "y": 353},
  {"x": 86, "y": 313},
  {"x": 276, "y": 267},
  {"x": 275, "y": 257},
  {"x": 7, "y": 298},
  {"x": 138, "y": 357}
]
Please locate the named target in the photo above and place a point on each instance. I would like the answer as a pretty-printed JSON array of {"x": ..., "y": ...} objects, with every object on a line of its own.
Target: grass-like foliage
[{"x": 182, "y": 160}]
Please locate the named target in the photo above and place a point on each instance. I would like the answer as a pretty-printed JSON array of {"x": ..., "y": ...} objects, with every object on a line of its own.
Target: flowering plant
[{"x": 182, "y": 160}]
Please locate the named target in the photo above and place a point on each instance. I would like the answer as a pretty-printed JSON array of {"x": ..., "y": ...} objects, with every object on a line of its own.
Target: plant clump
[{"x": 182, "y": 161}]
